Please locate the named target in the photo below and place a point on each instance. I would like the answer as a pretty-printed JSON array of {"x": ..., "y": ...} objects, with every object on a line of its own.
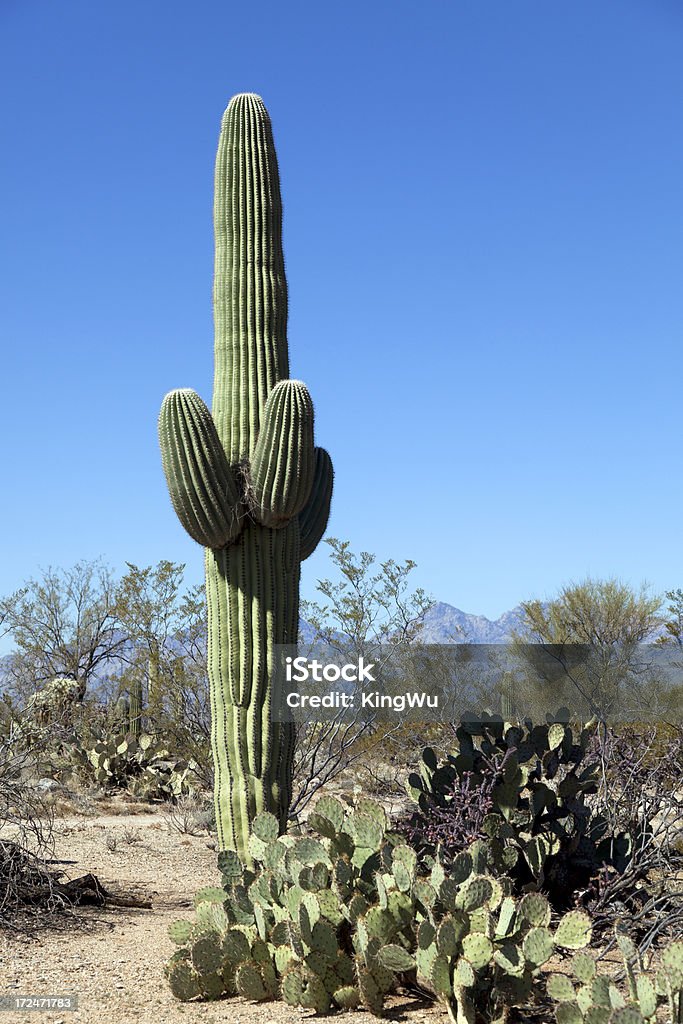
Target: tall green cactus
[
  {"x": 136, "y": 702},
  {"x": 247, "y": 481}
]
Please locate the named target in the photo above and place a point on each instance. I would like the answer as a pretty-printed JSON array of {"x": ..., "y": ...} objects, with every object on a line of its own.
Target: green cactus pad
[
  {"x": 179, "y": 931},
  {"x": 380, "y": 924},
  {"x": 329, "y": 807},
  {"x": 477, "y": 949},
  {"x": 256, "y": 848},
  {"x": 481, "y": 921},
  {"x": 274, "y": 856},
  {"x": 212, "y": 986},
  {"x": 207, "y": 954},
  {"x": 310, "y": 851},
  {"x": 356, "y": 908},
  {"x": 367, "y": 832},
  {"x": 560, "y": 988},
  {"x": 646, "y": 995},
  {"x": 627, "y": 1015},
  {"x": 476, "y": 891},
  {"x": 405, "y": 855},
  {"x": 212, "y": 916},
  {"x": 449, "y": 936},
  {"x": 535, "y": 909},
  {"x": 568, "y": 1013},
  {"x": 236, "y": 946},
  {"x": 329, "y": 906},
  {"x": 463, "y": 974},
  {"x": 372, "y": 809},
  {"x": 426, "y": 933},
  {"x": 403, "y": 877},
  {"x": 537, "y": 946},
  {"x": 424, "y": 893},
  {"x": 461, "y": 867},
  {"x": 209, "y": 894},
  {"x": 292, "y": 986},
  {"x": 324, "y": 939},
  {"x": 510, "y": 959},
  {"x": 672, "y": 964},
  {"x": 595, "y": 1014},
  {"x": 314, "y": 877},
  {"x": 382, "y": 975},
  {"x": 249, "y": 982},
  {"x": 370, "y": 995},
  {"x": 266, "y": 827},
  {"x": 347, "y": 997},
  {"x": 440, "y": 976},
  {"x": 395, "y": 958},
  {"x": 583, "y": 967},
  {"x": 506, "y": 917},
  {"x": 230, "y": 866},
  {"x": 310, "y": 901},
  {"x": 574, "y": 930},
  {"x": 183, "y": 981},
  {"x": 424, "y": 958}
]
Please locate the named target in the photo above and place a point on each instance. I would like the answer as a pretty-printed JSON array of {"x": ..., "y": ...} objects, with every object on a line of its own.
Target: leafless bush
[
  {"x": 190, "y": 815},
  {"x": 111, "y": 841},
  {"x": 640, "y": 799},
  {"x": 131, "y": 836},
  {"x": 25, "y": 838}
]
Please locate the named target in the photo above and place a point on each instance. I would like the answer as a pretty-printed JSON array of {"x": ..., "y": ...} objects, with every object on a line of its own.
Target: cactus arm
[
  {"x": 283, "y": 463},
  {"x": 200, "y": 481},
  {"x": 313, "y": 518}
]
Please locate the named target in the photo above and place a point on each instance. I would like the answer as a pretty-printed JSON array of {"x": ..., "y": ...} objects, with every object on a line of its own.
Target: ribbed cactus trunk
[
  {"x": 135, "y": 699},
  {"x": 247, "y": 481}
]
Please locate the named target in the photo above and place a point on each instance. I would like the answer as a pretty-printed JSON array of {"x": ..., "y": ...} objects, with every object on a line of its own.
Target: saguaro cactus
[{"x": 246, "y": 480}]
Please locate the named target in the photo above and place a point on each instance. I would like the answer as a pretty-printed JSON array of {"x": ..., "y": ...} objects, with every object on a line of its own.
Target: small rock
[{"x": 47, "y": 785}]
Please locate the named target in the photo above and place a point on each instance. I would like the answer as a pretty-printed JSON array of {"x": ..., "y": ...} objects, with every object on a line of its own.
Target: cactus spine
[{"x": 246, "y": 480}]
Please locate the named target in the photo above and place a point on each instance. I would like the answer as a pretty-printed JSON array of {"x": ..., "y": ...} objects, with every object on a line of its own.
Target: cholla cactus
[{"x": 246, "y": 480}]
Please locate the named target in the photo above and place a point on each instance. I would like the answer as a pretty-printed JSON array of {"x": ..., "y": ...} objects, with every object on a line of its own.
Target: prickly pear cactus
[
  {"x": 537, "y": 779},
  {"x": 339, "y": 916},
  {"x": 246, "y": 479},
  {"x": 586, "y": 996}
]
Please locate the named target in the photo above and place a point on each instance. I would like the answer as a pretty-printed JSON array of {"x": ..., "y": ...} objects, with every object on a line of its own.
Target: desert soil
[{"x": 113, "y": 958}]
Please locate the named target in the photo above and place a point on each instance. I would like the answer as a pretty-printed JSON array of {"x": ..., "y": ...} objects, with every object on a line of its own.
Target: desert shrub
[
  {"x": 640, "y": 797},
  {"x": 335, "y": 918},
  {"x": 25, "y": 837}
]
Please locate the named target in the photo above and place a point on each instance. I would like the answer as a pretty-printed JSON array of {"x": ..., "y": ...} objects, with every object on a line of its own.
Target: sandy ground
[{"x": 113, "y": 959}]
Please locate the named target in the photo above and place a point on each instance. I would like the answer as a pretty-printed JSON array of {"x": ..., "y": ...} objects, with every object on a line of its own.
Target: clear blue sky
[{"x": 483, "y": 234}]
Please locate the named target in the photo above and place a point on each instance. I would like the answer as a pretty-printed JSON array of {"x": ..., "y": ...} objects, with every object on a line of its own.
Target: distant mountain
[{"x": 444, "y": 624}]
